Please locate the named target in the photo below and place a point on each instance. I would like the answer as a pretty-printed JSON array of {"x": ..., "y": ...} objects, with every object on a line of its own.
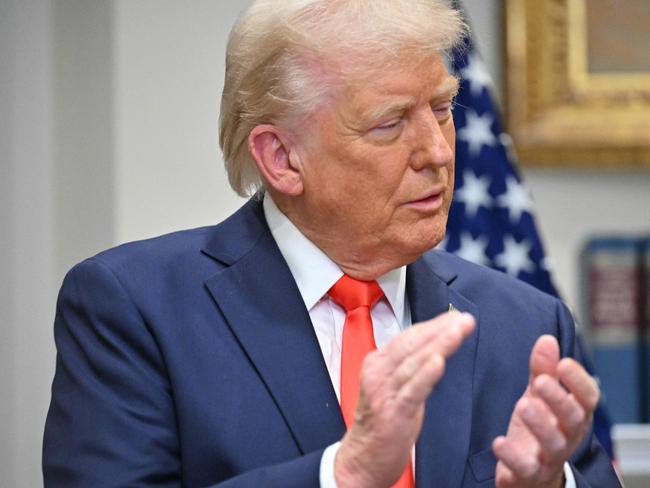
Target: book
[
  {"x": 615, "y": 305},
  {"x": 644, "y": 330}
]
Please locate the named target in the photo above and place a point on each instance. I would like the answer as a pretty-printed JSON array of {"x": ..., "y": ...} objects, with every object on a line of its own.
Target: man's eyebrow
[
  {"x": 390, "y": 107},
  {"x": 447, "y": 88}
]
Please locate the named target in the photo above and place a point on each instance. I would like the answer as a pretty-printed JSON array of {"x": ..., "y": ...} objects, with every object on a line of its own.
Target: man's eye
[
  {"x": 389, "y": 125},
  {"x": 443, "y": 110}
]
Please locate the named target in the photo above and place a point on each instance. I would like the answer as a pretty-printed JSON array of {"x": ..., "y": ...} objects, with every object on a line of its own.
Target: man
[{"x": 218, "y": 356}]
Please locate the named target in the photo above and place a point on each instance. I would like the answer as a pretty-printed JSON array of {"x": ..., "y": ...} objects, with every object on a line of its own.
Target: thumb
[{"x": 544, "y": 358}]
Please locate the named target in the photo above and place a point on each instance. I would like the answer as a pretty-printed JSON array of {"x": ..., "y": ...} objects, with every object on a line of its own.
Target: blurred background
[{"x": 108, "y": 133}]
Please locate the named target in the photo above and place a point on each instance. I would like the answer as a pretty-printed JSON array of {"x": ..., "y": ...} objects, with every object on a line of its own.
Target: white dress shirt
[{"x": 315, "y": 273}]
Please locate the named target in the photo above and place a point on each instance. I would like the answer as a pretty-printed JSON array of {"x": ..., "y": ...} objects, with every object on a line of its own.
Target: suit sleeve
[
  {"x": 590, "y": 464},
  {"x": 111, "y": 421}
]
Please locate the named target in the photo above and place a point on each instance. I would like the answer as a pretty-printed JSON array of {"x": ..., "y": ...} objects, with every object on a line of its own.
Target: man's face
[{"x": 378, "y": 167}]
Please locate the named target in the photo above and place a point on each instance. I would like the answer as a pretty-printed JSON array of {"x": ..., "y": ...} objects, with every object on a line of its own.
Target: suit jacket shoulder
[{"x": 172, "y": 349}]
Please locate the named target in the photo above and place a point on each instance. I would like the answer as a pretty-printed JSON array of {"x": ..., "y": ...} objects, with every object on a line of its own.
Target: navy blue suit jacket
[{"x": 190, "y": 360}]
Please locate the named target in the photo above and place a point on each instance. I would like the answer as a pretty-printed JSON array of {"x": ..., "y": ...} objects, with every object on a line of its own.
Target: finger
[
  {"x": 544, "y": 357},
  {"x": 503, "y": 477},
  {"x": 457, "y": 328},
  {"x": 410, "y": 365},
  {"x": 416, "y": 390},
  {"x": 522, "y": 463},
  {"x": 583, "y": 387},
  {"x": 448, "y": 330},
  {"x": 545, "y": 427},
  {"x": 571, "y": 416},
  {"x": 443, "y": 344}
]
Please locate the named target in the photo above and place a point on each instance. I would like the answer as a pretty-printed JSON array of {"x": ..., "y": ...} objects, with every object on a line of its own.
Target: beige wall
[{"x": 108, "y": 133}]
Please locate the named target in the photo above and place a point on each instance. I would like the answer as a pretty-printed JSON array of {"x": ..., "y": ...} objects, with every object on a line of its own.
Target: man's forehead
[
  {"x": 405, "y": 88},
  {"x": 427, "y": 89}
]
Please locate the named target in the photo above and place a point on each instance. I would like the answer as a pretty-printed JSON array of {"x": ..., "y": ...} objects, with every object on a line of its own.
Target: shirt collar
[{"x": 315, "y": 273}]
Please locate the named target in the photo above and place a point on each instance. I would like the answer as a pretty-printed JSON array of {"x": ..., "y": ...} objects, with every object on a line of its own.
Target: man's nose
[{"x": 432, "y": 145}]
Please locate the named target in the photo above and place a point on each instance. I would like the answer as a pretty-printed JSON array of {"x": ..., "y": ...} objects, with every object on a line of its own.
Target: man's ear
[{"x": 276, "y": 159}]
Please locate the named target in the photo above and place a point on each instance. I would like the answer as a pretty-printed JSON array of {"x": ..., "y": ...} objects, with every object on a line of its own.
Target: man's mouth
[{"x": 431, "y": 201}]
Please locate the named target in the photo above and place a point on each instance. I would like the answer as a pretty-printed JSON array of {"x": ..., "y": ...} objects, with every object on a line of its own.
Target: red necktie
[{"x": 357, "y": 298}]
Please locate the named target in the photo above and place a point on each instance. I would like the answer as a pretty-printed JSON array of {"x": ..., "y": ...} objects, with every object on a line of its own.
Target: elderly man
[{"x": 314, "y": 338}]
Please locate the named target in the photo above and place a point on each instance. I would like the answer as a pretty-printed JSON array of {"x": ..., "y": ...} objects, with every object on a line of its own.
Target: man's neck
[{"x": 362, "y": 264}]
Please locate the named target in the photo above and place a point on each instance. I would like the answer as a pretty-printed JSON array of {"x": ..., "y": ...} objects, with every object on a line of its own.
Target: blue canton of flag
[{"x": 491, "y": 218}]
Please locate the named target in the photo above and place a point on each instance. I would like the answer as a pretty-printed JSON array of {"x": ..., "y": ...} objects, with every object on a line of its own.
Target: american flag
[{"x": 491, "y": 220}]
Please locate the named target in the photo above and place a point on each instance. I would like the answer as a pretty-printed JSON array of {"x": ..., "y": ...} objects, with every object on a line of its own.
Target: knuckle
[
  {"x": 407, "y": 369},
  {"x": 405, "y": 399},
  {"x": 438, "y": 365},
  {"x": 537, "y": 404},
  {"x": 529, "y": 468},
  {"x": 594, "y": 398},
  {"x": 577, "y": 418},
  {"x": 521, "y": 405},
  {"x": 558, "y": 446},
  {"x": 554, "y": 423},
  {"x": 406, "y": 344}
]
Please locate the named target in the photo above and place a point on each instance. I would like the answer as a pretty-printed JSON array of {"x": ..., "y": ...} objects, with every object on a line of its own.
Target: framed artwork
[{"x": 578, "y": 81}]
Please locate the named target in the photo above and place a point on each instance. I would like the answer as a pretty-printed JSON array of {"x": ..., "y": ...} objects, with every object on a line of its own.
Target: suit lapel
[
  {"x": 263, "y": 307},
  {"x": 443, "y": 445}
]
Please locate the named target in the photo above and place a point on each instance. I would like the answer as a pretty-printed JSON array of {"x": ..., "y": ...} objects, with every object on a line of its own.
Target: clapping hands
[{"x": 548, "y": 422}]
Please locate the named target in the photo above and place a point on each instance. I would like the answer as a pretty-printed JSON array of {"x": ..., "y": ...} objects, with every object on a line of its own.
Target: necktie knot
[{"x": 350, "y": 293}]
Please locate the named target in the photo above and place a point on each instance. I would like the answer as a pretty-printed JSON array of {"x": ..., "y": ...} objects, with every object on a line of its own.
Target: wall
[
  {"x": 27, "y": 243},
  {"x": 573, "y": 205},
  {"x": 169, "y": 69},
  {"x": 6, "y": 244},
  {"x": 108, "y": 133},
  {"x": 108, "y": 116},
  {"x": 83, "y": 129}
]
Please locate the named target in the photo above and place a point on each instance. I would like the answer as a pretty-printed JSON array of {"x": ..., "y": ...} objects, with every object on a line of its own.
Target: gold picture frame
[{"x": 568, "y": 105}]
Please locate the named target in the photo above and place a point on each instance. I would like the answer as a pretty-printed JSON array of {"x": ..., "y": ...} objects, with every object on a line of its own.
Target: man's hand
[
  {"x": 395, "y": 382},
  {"x": 548, "y": 421}
]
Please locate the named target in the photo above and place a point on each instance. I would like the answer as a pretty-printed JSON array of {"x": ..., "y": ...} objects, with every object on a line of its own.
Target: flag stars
[
  {"x": 515, "y": 257},
  {"x": 473, "y": 249},
  {"x": 474, "y": 193},
  {"x": 476, "y": 74},
  {"x": 547, "y": 264},
  {"x": 516, "y": 199},
  {"x": 477, "y": 132},
  {"x": 506, "y": 142}
]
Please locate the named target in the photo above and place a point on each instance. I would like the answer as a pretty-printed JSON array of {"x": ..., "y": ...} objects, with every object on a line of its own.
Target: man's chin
[
  {"x": 427, "y": 235},
  {"x": 412, "y": 250}
]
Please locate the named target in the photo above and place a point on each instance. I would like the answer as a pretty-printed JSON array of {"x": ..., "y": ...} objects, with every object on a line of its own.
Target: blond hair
[{"x": 285, "y": 57}]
